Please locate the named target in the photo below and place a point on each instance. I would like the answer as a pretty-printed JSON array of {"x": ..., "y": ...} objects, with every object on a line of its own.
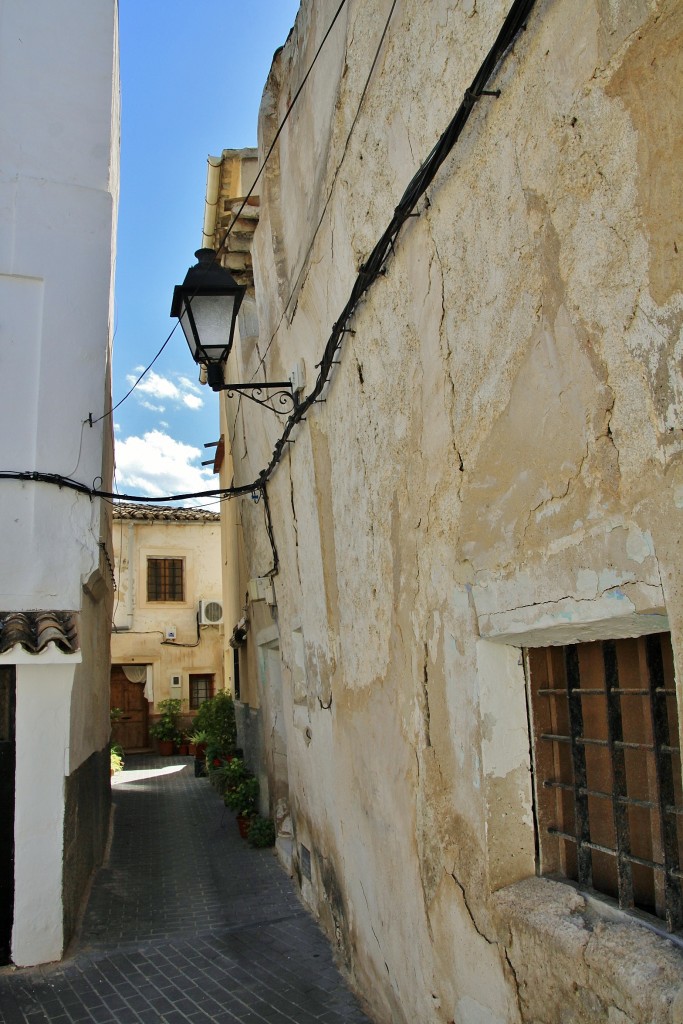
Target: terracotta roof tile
[
  {"x": 35, "y": 630},
  {"x": 164, "y": 513}
]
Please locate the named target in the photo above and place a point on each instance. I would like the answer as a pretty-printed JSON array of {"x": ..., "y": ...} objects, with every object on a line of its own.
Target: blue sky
[{"x": 192, "y": 76}]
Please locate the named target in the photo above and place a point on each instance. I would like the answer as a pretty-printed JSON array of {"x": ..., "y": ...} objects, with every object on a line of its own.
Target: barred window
[
  {"x": 201, "y": 690},
  {"x": 165, "y": 579},
  {"x": 607, "y": 770}
]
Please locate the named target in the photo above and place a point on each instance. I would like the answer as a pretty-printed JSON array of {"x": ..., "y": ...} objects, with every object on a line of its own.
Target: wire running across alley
[{"x": 372, "y": 268}]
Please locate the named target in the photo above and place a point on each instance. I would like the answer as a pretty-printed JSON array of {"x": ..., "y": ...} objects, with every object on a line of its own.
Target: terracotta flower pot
[
  {"x": 165, "y": 747},
  {"x": 182, "y": 749},
  {"x": 243, "y": 823}
]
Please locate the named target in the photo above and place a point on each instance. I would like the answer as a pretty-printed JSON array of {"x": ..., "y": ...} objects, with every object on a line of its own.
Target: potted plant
[
  {"x": 199, "y": 738},
  {"x": 165, "y": 730},
  {"x": 243, "y": 798},
  {"x": 115, "y": 758},
  {"x": 216, "y": 718},
  {"x": 261, "y": 832},
  {"x": 229, "y": 775}
]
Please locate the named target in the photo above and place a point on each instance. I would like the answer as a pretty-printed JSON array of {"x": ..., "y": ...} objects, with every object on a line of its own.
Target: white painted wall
[
  {"x": 59, "y": 133},
  {"x": 42, "y": 735},
  {"x": 58, "y": 192}
]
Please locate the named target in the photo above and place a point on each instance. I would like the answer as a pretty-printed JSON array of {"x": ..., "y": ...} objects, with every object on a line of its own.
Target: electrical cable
[
  {"x": 113, "y": 409},
  {"x": 279, "y": 130},
  {"x": 375, "y": 263},
  {"x": 223, "y": 243},
  {"x": 373, "y": 268},
  {"x": 334, "y": 179}
]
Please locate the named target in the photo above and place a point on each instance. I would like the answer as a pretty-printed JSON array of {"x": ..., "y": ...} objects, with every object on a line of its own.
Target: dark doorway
[
  {"x": 129, "y": 729},
  {"x": 7, "y": 786}
]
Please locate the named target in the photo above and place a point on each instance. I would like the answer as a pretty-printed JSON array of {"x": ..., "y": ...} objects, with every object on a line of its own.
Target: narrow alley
[{"x": 185, "y": 922}]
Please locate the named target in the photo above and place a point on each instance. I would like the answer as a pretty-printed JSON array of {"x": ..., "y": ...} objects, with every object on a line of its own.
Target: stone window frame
[
  {"x": 506, "y": 770},
  {"x": 606, "y": 768},
  {"x": 165, "y": 583}
]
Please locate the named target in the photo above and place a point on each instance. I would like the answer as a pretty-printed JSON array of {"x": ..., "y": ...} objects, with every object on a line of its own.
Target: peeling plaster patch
[
  {"x": 678, "y": 496},
  {"x": 610, "y": 578},
  {"x": 475, "y": 1013},
  {"x": 586, "y": 583},
  {"x": 435, "y": 639},
  {"x": 639, "y": 546}
]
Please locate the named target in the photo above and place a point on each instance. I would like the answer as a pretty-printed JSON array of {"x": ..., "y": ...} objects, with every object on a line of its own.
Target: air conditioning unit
[
  {"x": 176, "y": 681},
  {"x": 210, "y": 612}
]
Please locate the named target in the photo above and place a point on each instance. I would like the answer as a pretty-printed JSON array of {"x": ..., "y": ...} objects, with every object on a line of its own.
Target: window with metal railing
[
  {"x": 607, "y": 770},
  {"x": 201, "y": 690},
  {"x": 165, "y": 579}
]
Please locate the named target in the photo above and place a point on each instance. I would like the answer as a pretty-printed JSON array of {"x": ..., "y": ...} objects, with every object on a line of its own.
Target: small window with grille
[
  {"x": 201, "y": 690},
  {"x": 165, "y": 579},
  {"x": 607, "y": 770}
]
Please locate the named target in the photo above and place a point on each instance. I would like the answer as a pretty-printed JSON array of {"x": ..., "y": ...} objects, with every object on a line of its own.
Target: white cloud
[
  {"x": 157, "y": 464},
  {"x": 185, "y": 392}
]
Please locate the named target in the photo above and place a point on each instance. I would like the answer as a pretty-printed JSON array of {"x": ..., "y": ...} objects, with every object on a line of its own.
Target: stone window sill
[{"x": 587, "y": 949}]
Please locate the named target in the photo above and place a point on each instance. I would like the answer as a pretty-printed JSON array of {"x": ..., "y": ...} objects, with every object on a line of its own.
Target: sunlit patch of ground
[{"x": 140, "y": 774}]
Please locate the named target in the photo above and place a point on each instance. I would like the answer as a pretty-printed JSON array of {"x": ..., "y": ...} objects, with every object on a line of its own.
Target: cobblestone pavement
[{"x": 185, "y": 923}]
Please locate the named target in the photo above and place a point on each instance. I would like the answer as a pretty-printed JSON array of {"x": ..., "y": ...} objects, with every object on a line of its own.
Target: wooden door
[
  {"x": 131, "y": 729},
  {"x": 7, "y": 784}
]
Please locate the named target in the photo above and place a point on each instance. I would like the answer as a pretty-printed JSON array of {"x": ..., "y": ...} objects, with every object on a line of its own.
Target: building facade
[
  {"x": 465, "y": 642},
  {"x": 59, "y": 125},
  {"x": 167, "y": 640}
]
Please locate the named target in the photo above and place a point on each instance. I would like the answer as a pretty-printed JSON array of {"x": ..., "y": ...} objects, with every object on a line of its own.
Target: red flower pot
[
  {"x": 243, "y": 823},
  {"x": 165, "y": 747}
]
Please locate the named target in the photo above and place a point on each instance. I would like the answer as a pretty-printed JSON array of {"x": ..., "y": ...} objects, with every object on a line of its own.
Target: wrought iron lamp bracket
[{"x": 277, "y": 395}]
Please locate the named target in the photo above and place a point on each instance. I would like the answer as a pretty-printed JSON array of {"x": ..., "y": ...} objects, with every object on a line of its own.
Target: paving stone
[{"x": 186, "y": 924}]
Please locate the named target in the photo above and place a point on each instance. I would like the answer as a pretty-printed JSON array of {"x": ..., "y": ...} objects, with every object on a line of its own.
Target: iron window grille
[
  {"x": 165, "y": 579},
  {"x": 201, "y": 690},
  {"x": 607, "y": 770}
]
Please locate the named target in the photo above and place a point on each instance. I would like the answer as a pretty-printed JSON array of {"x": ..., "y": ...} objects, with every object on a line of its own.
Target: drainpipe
[
  {"x": 130, "y": 597},
  {"x": 213, "y": 181}
]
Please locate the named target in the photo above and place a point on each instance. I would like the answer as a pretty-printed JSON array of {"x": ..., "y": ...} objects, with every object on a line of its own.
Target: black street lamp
[{"x": 207, "y": 304}]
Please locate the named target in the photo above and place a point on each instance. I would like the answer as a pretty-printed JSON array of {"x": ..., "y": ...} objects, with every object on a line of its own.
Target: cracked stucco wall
[{"x": 497, "y": 464}]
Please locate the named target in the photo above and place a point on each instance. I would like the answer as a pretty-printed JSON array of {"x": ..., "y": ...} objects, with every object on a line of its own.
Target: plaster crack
[
  {"x": 372, "y": 927},
  {"x": 492, "y": 942},
  {"x": 545, "y": 502},
  {"x": 608, "y": 429},
  {"x": 425, "y": 696},
  {"x": 515, "y": 980},
  {"x": 447, "y": 356},
  {"x": 478, "y": 930}
]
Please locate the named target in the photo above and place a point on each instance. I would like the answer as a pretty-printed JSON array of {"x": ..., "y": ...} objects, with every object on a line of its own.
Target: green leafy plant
[
  {"x": 166, "y": 728},
  {"x": 243, "y": 797},
  {"x": 228, "y": 774},
  {"x": 216, "y": 717},
  {"x": 261, "y": 832},
  {"x": 116, "y": 758}
]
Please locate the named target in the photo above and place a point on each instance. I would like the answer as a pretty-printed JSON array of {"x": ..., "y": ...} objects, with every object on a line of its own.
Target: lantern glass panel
[
  {"x": 212, "y": 315},
  {"x": 186, "y": 324}
]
